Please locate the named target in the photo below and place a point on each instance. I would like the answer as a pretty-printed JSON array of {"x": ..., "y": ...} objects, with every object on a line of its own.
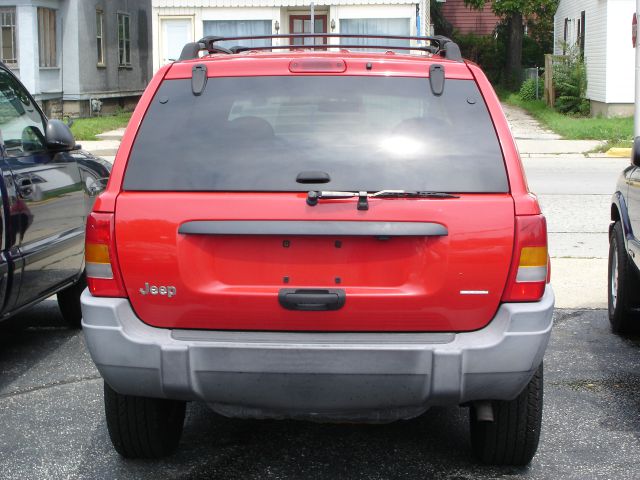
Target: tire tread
[
  {"x": 513, "y": 437},
  {"x": 624, "y": 317},
  {"x": 141, "y": 427}
]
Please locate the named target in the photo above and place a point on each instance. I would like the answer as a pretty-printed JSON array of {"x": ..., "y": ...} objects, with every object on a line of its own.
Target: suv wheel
[
  {"x": 621, "y": 284},
  {"x": 512, "y": 438},
  {"x": 69, "y": 302},
  {"x": 142, "y": 427}
]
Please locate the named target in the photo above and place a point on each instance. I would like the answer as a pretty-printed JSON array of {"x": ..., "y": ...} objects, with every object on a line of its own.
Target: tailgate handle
[{"x": 311, "y": 300}]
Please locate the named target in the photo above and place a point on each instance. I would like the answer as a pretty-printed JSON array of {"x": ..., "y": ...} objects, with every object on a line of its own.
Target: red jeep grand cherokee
[{"x": 319, "y": 234}]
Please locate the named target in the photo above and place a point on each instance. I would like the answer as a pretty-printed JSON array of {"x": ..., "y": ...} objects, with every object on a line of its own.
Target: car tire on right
[{"x": 621, "y": 284}]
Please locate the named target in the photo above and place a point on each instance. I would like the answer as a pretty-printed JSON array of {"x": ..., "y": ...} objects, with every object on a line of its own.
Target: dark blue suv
[{"x": 624, "y": 249}]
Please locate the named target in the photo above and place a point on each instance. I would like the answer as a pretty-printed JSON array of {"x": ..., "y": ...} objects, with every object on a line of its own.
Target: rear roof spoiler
[{"x": 437, "y": 45}]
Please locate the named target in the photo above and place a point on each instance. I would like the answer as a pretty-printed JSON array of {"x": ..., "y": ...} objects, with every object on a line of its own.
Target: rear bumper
[{"x": 380, "y": 376}]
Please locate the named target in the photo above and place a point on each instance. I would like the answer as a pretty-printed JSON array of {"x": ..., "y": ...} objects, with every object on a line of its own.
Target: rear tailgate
[
  {"x": 217, "y": 281},
  {"x": 244, "y": 151}
]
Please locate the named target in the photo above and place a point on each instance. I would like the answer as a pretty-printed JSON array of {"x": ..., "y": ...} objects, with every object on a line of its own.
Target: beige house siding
[
  {"x": 266, "y": 3},
  {"x": 199, "y": 11}
]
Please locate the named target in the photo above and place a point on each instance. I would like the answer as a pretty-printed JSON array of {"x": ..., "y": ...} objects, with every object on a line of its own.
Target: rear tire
[
  {"x": 621, "y": 285},
  {"x": 142, "y": 427},
  {"x": 512, "y": 438},
  {"x": 69, "y": 302}
]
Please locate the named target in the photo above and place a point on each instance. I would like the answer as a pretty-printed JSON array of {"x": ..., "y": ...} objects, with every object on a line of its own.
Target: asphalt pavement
[{"x": 53, "y": 427}]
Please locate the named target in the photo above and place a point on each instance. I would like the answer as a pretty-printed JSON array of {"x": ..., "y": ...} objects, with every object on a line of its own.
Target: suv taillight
[
  {"x": 103, "y": 272},
  {"x": 529, "y": 271}
]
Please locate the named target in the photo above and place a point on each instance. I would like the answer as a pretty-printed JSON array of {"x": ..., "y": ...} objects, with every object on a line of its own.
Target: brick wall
[{"x": 466, "y": 20}]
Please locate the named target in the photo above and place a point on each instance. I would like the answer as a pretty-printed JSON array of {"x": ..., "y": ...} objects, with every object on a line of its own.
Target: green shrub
[
  {"x": 528, "y": 90},
  {"x": 484, "y": 50},
  {"x": 570, "y": 80}
]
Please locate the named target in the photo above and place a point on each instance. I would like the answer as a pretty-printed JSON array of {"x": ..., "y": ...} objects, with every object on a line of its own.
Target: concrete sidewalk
[
  {"x": 107, "y": 145},
  {"x": 533, "y": 139}
]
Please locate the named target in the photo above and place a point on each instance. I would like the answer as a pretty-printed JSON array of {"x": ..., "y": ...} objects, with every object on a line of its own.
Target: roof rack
[{"x": 437, "y": 45}]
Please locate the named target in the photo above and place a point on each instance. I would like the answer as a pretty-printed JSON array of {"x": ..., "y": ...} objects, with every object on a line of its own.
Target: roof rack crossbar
[
  {"x": 428, "y": 49},
  {"x": 437, "y": 44}
]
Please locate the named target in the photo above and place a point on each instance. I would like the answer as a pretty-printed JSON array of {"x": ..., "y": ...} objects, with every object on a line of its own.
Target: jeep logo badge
[{"x": 168, "y": 290}]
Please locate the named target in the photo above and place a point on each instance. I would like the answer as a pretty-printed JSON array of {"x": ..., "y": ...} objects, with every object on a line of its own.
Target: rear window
[{"x": 366, "y": 133}]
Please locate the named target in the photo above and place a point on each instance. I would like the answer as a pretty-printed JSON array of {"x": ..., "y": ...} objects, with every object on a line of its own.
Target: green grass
[
  {"x": 616, "y": 132},
  {"x": 88, "y": 128}
]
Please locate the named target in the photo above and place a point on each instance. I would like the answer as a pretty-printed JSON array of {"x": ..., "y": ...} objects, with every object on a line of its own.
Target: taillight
[
  {"x": 317, "y": 65},
  {"x": 103, "y": 272},
  {"x": 529, "y": 271}
]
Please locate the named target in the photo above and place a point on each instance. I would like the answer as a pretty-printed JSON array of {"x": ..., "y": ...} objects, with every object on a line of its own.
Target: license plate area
[{"x": 299, "y": 261}]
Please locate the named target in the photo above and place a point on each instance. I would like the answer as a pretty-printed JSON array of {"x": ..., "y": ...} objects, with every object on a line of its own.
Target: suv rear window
[{"x": 367, "y": 133}]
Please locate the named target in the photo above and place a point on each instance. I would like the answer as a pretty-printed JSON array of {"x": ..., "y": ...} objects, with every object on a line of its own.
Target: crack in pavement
[{"x": 48, "y": 385}]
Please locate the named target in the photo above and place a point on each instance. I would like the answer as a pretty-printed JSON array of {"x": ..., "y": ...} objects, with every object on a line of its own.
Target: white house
[
  {"x": 602, "y": 29},
  {"x": 176, "y": 22},
  {"x": 76, "y": 55}
]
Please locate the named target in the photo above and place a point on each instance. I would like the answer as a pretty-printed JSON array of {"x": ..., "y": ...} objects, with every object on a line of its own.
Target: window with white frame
[
  {"x": 124, "y": 40},
  {"x": 8, "y": 50},
  {"x": 47, "y": 47},
  {"x": 100, "y": 36},
  {"x": 376, "y": 26},
  {"x": 239, "y": 28}
]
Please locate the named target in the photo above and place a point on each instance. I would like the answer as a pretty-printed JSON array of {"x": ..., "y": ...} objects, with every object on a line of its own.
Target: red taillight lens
[
  {"x": 529, "y": 271},
  {"x": 103, "y": 272}
]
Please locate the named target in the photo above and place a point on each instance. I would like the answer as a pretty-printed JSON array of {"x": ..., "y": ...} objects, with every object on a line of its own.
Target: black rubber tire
[
  {"x": 622, "y": 317},
  {"x": 69, "y": 303},
  {"x": 512, "y": 438},
  {"x": 142, "y": 427}
]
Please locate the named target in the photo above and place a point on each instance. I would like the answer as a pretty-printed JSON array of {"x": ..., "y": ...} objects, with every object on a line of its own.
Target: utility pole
[{"x": 637, "y": 129}]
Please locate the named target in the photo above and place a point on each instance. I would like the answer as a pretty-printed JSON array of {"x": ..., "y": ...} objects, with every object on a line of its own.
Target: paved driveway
[{"x": 52, "y": 421}]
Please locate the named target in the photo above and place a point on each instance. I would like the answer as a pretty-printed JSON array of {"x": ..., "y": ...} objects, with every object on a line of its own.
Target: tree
[{"x": 514, "y": 12}]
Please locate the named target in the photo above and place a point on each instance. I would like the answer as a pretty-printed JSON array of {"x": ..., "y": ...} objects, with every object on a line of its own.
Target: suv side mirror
[
  {"x": 58, "y": 137},
  {"x": 635, "y": 153}
]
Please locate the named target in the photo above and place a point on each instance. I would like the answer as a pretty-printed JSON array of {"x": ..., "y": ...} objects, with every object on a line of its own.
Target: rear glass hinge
[
  {"x": 436, "y": 78},
  {"x": 198, "y": 79}
]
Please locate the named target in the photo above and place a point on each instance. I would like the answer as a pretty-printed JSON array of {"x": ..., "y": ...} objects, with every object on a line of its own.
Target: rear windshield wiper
[
  {"x": 363, "y": 204},
  {"x": 411, "y": 194}
]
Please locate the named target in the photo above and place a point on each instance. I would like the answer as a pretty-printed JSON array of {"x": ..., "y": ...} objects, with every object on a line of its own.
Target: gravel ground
[{"x": 53, "y": 425}]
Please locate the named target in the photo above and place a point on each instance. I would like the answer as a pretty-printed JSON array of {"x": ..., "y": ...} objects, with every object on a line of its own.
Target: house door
[
  {"x": 175, "y": 33},
  {"x": 302, "y": 24}
]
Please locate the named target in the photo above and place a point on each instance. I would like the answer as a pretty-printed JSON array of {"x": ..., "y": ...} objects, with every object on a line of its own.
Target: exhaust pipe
[{"x": 483, "y": 411}]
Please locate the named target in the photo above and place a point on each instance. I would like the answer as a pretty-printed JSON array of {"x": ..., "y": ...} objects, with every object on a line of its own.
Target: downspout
[
  {"x": 313, "y": 21},
  {"x": 62, "y": 67},
  {"x": 426, "y": 17}
]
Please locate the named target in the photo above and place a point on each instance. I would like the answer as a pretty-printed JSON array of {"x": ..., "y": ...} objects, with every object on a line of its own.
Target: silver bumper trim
[{"x": 333, "y": 374}]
